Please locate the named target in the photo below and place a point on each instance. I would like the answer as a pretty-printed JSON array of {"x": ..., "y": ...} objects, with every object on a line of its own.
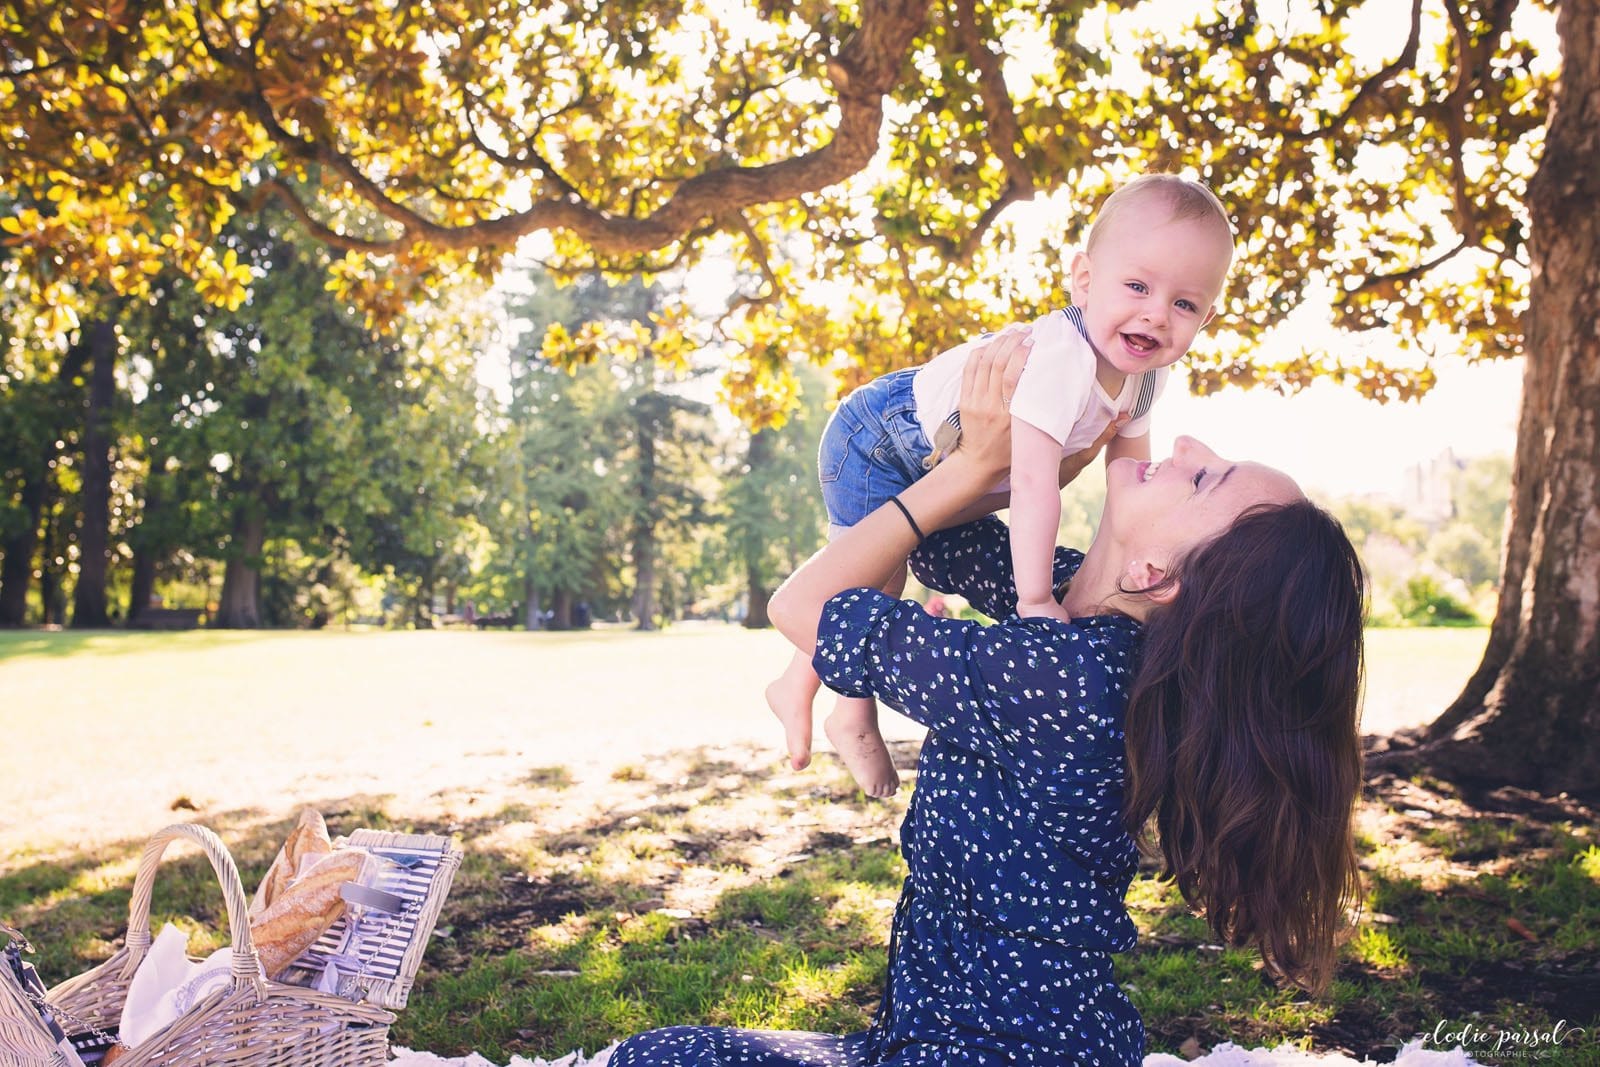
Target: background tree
[
  {"x": 642, "y": 430},
  {"x": 35, "y": 418},
  {"x": 642, "y": 135},
  {"x": 670, "y": 438},
  {"x": 423, "y": 453},
  {"x": 168, "y": 361},
  {"x": 286, "y": 426},
  {"x": 265, "y": 412},
  {"x": 562, "y": 520},
  {"x": 771, "y": 505}
]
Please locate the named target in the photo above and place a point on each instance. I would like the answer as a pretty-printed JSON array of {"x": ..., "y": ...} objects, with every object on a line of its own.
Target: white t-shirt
[{"x": 1057, "y": 392}]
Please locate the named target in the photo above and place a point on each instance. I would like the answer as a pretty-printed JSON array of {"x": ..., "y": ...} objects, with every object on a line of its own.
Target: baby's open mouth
[{"x": 1141, "y": 342}]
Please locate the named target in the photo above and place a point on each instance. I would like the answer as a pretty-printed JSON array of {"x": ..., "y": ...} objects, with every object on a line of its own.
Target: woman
[{"x": 1209, "y": 678}]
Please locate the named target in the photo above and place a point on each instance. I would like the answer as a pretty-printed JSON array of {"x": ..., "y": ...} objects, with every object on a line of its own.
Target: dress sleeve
[
  {"x": 974, "y": 561},
  {"x": 1001, "y": 691}
]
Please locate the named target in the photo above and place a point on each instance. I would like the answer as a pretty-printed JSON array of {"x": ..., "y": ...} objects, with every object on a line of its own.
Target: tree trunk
[
  {"x": 16, "y": 572},
  {"x": 144, "y": 583},
  {"x": 562, "y": 611},
  {"x": 1531, "y": 714},
  {"x": 50, "y": 599},
  {"x": 759, "y": 455},
  {"x": 644, "y": 587},
  {"x": 644, "y": 531},
  {"x": 52, "y": 557},
  {"x": 145, "y": 554},
  {"x": 239, "y": 606},
  {"x": 94, "y": 535},
  {"x": 422, "y": 606},
  {"x": 755, "y": 618}
]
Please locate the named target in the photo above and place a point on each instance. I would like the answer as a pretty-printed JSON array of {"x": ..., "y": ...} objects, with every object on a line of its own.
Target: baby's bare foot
[
  {"x": 853, "y": 729},
  {"x": 791, "y": 703}
]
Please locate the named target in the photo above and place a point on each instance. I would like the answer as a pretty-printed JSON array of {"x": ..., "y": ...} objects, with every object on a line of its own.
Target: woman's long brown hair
[{"x": 1243, "y": 737}]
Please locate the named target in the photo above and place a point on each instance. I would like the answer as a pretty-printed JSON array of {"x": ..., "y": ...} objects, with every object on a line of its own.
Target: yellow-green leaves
[{"x": 854, "y": 162}]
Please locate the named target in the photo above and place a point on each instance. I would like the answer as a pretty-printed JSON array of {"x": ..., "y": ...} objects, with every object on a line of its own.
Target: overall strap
[{"x": 1146, "y": 398}]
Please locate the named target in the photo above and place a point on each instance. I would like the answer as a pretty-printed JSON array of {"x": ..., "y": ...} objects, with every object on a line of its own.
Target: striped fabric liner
[{"x": 380, "y": 949}]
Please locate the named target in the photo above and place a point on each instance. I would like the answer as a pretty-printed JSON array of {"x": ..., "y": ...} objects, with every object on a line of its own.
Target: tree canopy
[{"x": 857, "y": 159}]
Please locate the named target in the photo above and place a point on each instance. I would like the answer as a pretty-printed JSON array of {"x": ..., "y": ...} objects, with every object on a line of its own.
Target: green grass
[
  {"x": 795, "y": 953},
  {"x": 1430, "y": 949},
  {"x": 704, "y": 882},
  {"x": 61, "y": 644},
  {"x": 1413, "y": 674}
]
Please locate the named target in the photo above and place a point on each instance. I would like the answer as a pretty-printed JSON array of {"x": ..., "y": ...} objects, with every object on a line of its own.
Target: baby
[{"x": 1145, "y": 283}]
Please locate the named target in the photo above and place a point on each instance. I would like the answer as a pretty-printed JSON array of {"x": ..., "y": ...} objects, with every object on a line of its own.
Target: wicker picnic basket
[
  {"x": 256, "y": 1022},
  {"x": 253, "y": 1023},
  {"x": 24, "y": 1042}
]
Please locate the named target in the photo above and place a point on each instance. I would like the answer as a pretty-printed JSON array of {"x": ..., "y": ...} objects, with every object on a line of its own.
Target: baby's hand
[{"x": 1044, "y": 609}]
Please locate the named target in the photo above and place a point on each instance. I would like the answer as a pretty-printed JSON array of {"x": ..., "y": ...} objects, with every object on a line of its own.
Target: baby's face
[{"x": 1150, "y": 285}]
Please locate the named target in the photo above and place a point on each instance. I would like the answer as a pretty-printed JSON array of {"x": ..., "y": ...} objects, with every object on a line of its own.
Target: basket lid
[{"x": 376, "y": 959}]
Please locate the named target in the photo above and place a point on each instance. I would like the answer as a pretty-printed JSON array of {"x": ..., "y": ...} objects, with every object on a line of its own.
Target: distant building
[{"x": 1425, "y": 488}]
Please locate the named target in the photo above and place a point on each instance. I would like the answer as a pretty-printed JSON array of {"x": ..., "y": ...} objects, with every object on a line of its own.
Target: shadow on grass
[{"x": 718, "y": 889}]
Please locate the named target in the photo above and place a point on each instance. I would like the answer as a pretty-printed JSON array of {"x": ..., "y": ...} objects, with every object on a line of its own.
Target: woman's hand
[
  {"x": 987, "y": 382},
  {"x": 879, "y": 544}
]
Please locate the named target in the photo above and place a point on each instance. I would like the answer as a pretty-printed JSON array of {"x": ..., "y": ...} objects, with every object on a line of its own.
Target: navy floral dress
[{"x": 1018, "y": 863}]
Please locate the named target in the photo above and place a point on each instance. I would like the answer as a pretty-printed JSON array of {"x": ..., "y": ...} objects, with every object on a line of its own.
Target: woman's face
[{"x": 1157, "y": 510}]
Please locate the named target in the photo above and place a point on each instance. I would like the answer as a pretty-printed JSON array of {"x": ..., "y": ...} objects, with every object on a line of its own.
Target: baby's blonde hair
[{"x": 1185, "y": 197}]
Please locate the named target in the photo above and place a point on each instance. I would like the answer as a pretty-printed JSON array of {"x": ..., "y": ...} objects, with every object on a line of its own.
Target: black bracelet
[{"x": 912, "y": 522}]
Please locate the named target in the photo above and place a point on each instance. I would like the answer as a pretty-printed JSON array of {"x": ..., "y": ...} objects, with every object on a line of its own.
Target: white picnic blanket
[{"x": 1227, "y": 1055}]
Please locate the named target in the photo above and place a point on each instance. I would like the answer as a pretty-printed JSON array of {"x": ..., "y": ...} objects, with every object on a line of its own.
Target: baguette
[
  {"x": 308, "y": 839},
  {"x": 304, "y": 911}
]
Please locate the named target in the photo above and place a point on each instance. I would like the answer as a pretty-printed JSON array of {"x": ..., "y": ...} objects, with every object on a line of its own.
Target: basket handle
[{"x": 246, "y": 965}]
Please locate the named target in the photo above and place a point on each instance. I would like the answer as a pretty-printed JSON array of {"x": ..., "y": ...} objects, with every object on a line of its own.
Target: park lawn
[{"x": 714, "y": 885}]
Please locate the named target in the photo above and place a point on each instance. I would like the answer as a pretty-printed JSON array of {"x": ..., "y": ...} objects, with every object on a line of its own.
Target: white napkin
[{"x": 168, "y": 983}]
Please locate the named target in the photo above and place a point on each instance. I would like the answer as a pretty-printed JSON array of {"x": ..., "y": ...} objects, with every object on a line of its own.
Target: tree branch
[
  {"x": 414, "y": 226},
  {"x": 225, "y": 57},
  {"x": 531, "y": 158},
  {"x": 318, "y": 229},
  {"x": 1003, "y": 134},
  {"x": 1473, "y": 56},
  {"x": 999, "y": 112},
  {"x": 742, "y": 101},
  {"x": 1406, "y": 59},
  {"x": 865, "y": 70},
  {"x": 758, "y": 252},
  {"x": 1412, "y": 273}
]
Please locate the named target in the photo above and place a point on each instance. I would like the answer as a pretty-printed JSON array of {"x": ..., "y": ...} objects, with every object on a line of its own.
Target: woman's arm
[{"x": 867, "y": 551}]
